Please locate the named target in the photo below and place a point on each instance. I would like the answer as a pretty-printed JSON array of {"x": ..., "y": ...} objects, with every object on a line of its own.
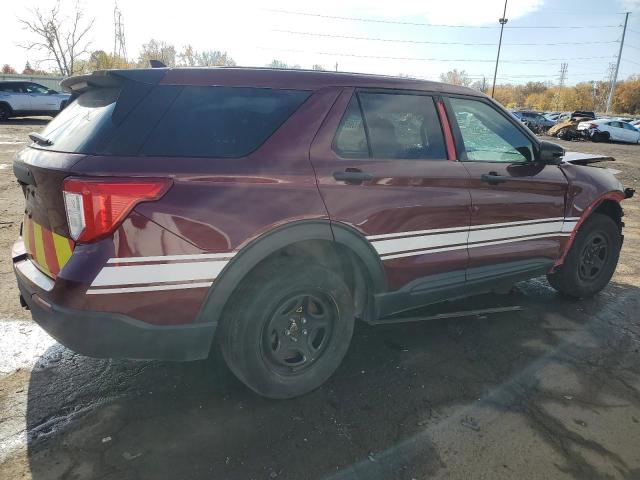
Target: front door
[
  {"x": 383, "y": 169},
  {"x": 41, "y": 99},
  {"x": 518, "y": 203}
]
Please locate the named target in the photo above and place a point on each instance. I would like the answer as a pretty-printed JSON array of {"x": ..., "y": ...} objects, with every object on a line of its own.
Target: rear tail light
[
  {"x": 96, "y": 206},
  {"x": 593, "y": 125}
]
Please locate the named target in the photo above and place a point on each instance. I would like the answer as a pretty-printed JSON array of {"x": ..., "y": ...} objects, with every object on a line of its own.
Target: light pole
[
  {"x": 502, "y": 21},
  {"x": 614, "y": 79}
]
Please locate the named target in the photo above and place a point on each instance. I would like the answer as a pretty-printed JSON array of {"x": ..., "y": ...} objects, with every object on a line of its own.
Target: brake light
[
  {"x": 593, "y": 125},
  {"x": 96, "y": 206}
]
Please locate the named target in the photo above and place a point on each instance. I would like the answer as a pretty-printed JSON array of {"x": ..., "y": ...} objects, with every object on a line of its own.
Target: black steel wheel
[
  {"x": 591, "y": 260},
  {"x": 287, "y": 327},
  {"x": 593, "y": 257}
]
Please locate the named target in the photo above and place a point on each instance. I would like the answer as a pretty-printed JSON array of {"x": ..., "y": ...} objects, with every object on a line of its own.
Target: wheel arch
[
  {"x": 318, "y": 238},
  {"x": 8, "y": 105},
  {"x": 607, "y": 204}
]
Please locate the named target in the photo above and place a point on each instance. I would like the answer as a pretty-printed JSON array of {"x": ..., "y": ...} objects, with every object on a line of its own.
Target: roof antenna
[{"x": 157, "y": 64}]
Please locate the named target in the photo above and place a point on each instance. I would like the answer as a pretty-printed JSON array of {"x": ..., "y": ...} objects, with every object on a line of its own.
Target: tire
[
  {"x": 562, "y": 134},
  {"x": 600, "y": 137},
  {"x": 287, "y": 328},
  {"x": 592, "y": 259},
  {"x": 5, "y": 113}
]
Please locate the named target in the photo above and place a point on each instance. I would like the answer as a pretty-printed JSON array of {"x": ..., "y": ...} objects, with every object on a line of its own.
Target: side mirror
[
  {"x": 550, "y": 153},
  {"x": 51, "y": 92}
]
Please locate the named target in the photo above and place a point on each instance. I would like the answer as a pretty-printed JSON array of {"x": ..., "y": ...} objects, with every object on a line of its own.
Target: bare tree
[
  {"x": 157, "y": 50},
  {"x": 456, "y": 77},
  {"x": 63, "y": 38},
  {"x": 189, "y": 57}
]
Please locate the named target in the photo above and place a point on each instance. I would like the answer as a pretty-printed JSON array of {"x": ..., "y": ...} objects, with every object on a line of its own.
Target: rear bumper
[{"x": 111, "y": 335}]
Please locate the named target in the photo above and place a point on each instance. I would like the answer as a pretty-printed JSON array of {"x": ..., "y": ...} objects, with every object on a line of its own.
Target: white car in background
[
  {"x": 21, "y": 99},
  {"x": 605, "y": 129}
]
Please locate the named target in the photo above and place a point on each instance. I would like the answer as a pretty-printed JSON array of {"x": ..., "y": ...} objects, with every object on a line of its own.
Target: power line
[
  {"x": 422, "y": 24},
  {"x": 427, "y": 42},
  {"x": 381, "y": 57}
]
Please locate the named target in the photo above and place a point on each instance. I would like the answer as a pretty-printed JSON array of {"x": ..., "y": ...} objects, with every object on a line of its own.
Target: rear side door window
[
  {"x": 487, "y": 135},
  {"x": 384, "y": 126},
  {"x": 403, "y": 127},
  {"x": 351, "y": 140}
]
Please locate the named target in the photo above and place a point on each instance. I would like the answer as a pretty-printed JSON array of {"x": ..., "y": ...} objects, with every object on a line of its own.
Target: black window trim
[
  {"x": 435, "y": 96},
  {"x": 457, "y": 133}
]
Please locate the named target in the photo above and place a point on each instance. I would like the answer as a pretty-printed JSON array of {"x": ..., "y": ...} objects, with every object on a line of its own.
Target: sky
[{"x": 417, "y": 38}]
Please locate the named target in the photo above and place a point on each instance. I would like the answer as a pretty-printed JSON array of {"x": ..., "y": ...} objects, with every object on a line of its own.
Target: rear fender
[{"x": 277, "y": 239}]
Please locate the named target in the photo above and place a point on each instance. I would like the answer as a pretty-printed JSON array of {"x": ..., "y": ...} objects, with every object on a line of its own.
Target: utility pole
[
  {"x": 119, "y": 42},
  {"x": 561, "y": 79},
  {"x": 615, "y": 74},
  {"x": 502, "y": 21},
  {"x": 563, "y": 73}
]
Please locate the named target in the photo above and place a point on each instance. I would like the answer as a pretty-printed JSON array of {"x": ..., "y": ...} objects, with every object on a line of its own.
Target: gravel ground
[{"x": 552, "y": 391}]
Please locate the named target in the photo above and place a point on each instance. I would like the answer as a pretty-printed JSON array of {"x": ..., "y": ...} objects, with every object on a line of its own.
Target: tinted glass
[
  {"x": 11, "y": 87},
  {"x": 35, "y": 88},
  {"x": 77, "y": 126},
  {"x": 628, "y": 127},
  {"x": 350, "y": 140},
  {"x": 221, "y": 121},
  {"x": 487, "y": 135},
  {"x": 403, "y": 126}
]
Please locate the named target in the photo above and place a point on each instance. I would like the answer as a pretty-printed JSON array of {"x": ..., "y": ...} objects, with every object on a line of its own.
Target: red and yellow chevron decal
[{"x": 48, "y": 250}]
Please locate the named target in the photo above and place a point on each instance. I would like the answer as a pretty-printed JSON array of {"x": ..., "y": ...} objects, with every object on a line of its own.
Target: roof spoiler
[{"x": 111, "y": 79}]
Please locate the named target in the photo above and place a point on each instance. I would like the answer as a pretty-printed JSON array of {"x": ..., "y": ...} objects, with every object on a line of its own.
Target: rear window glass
[
  {"x": 221, "y": 121},
  {"x": 77, "y": 126}
]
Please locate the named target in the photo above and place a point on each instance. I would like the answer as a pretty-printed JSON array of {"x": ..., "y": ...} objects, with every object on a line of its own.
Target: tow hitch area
[{"x": 629, "y": 192}]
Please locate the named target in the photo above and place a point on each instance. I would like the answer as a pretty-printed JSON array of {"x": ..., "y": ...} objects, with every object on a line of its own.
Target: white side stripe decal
[
  {"x": 150, "y": 288},
  {"x": 166, "y": 258},
  {"x": 164, "y": 272},
  {"x": 519, "y": 231},
  {"x": 420, "y": 242},
  {"x": 482, "y": 244},
  {"x": 138, "y": 274},
  {"x": 425, "y": 241}
]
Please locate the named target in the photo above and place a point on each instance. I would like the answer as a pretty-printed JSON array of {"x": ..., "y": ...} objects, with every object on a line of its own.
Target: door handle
[
  {"x": 492, "y": 178},
  {"x": 353, "y": 176}
]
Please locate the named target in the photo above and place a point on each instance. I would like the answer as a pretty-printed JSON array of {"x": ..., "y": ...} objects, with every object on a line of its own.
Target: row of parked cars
[{"x": 581, "y": 125}]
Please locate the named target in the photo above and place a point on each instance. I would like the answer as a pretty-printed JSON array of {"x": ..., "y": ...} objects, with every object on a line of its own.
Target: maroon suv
[{"x": 270, "y": 209}]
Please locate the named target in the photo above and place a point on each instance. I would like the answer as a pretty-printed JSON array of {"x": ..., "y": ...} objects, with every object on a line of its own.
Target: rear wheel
[
  {"x": 592, "y": 259},
  {"x": 287, "y": 328}
]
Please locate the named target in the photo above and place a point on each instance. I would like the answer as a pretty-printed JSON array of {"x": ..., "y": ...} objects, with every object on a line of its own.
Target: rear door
[
  {"x": 631, "y": 134},
  {"x": 383, "y": 169},
  {"x": 517, "y": 203},
  {"x": 18, "y": 98}
]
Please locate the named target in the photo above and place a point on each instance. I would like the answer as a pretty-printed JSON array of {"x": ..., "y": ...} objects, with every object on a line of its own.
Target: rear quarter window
[
  {"x": 77, "y": 128},
  {"x": 221, "y": 121}
]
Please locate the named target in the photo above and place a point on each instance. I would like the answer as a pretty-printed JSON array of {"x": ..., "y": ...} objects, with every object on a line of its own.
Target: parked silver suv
[{"x": 19, "y": 99}]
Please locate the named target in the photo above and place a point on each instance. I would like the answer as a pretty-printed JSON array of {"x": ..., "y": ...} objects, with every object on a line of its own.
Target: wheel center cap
[{"x": 293, "y": 329}]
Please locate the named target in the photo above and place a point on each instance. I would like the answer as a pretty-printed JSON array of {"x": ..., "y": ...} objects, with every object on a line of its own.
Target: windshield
[{"x": 78, "y": 125}]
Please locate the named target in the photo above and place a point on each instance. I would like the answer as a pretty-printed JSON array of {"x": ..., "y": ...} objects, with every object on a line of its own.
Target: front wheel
[
  {"x": 592, "y": 259},
  {"x": 5, "y": 113},
  {"x": 287, "y": 328}
]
